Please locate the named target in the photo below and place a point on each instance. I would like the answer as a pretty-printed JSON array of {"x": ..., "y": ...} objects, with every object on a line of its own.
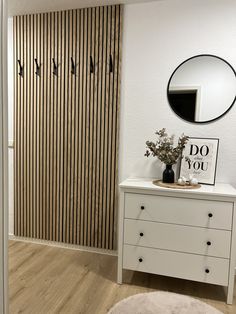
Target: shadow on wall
[{"x": 151, "y": 168}]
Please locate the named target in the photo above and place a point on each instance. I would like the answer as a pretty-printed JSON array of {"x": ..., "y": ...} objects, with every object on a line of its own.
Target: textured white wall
[{"x": 158, "y": 36}]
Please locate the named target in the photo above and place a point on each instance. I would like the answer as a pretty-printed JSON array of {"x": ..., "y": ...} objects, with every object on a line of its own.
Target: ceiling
[{"x": 20, "y": 7}]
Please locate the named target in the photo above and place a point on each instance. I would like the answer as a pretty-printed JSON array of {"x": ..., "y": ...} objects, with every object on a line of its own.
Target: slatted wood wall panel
[{"x": 66, "y": 125}]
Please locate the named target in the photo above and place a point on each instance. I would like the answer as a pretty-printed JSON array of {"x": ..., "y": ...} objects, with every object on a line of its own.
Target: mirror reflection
[{"x": 202, "y": 88}]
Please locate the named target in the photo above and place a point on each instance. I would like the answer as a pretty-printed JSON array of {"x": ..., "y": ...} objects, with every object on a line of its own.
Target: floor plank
[{"x": 46, "y": 279}]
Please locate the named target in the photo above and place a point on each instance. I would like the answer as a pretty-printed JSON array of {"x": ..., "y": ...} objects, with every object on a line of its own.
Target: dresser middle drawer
[{"x": 203, "y": 241}]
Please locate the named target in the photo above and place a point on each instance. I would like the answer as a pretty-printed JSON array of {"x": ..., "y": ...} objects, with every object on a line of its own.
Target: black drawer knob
[
  {"x": 209, "y": 243},
  {"x": 140, "y": 259},
  {"x": 210, "y": 215},
  {"x": 207, "y": 270},
  {"x": 141, "y": 234},
  {"x": 142, "y": 207}
]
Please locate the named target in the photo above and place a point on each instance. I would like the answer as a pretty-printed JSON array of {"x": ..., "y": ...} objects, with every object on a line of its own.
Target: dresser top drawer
[{"x": 183, "y": 211}]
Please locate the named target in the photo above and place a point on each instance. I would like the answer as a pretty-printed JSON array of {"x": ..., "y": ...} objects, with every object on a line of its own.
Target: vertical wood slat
[
  {"x": 21, "y": 128},
  {"x": 76, "y": 110},
  {"x": 48, "y": 69},
  {"x": 85, "y": 120},
  {"x": 31, "y": 124},
  {"x": 62, "y": 107},
  {"x": 51, "y": 131},
  {"x": 34, "y": 132},
  {"x": 70, "y": 124},
  {"x": 98, "y": 129},
  {"x": 54, "y": 130},
  {"x": 108, "y": 129},
  {"x": 73, "y": 127},
  {"x": 104, "y": 127},
  {"x": 18, "y": 127},
  {"x": 38, "y": 105},
  {"x": 117, "y": 67},
  {"x": 102, "y": 110},
  {"x": 89, "y": 72},
  {"x": 66, "y": 126},
  {"x": 80, "y": 130},
  {"x": 16, "y": 124},
  {"x": 28, "y": 124},
  {"x": 41, "y": 119},
  {"x": 44, "y": 76},
  {"x": 83, "y": 125},
  {"x": 111, "y": 146},
  {"x": 95, "y": 133},
  {"x": 65, "y": 104},
  {"x": 24, "y": 200},
  {"x": 92, "y": 128}
]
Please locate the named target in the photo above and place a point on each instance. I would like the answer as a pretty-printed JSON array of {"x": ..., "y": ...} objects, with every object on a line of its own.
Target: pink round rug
[{"x": 162, "y": 303}]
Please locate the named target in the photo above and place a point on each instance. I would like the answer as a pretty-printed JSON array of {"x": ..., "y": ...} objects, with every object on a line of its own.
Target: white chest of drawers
[{"x": 187, "y": 234}]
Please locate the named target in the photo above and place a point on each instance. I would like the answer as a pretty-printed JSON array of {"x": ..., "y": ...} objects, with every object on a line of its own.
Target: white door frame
[
  {"x": 3, "y": 160},
  {"x": 186, "y": 89}
]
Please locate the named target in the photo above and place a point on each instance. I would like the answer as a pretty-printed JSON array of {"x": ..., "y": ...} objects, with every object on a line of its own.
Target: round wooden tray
[{"x": 176, "y": 185}]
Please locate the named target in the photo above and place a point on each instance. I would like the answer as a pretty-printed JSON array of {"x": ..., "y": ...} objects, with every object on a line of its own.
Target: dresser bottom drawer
[{"x": 174, "y": 264}]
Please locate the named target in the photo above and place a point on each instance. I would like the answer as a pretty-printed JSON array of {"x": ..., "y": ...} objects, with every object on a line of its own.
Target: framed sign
[{"x": 200, "y": 159}]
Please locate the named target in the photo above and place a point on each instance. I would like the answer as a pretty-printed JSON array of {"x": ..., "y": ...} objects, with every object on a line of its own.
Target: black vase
[{"x": 168, "y": 175}]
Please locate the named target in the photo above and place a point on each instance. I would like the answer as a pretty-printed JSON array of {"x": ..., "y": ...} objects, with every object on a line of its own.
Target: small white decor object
[
  {"x": 192, "y": 180},
  {"x": 191, "y": 176},
  {"x": 182, "y": 181}
]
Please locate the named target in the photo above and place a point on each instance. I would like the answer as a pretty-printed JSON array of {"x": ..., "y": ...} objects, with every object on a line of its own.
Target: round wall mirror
[{"x": 202, "y": 88}]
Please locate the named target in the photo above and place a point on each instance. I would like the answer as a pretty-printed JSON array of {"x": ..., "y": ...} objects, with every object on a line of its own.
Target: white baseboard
[{"x": 64, "y": 245}]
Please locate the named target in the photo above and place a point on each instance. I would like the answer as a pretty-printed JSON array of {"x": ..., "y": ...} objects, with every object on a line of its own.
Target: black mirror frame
[{"x": 168, "y": 85}]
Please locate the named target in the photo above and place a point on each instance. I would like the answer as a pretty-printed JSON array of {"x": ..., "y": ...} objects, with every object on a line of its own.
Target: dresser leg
[
  {"x": 230, "y": 294},
  {"x": 119, "y": 276},
  {"x": 230, "y": 290}
]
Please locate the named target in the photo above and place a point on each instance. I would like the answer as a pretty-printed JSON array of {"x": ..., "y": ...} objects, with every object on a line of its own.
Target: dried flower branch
[{"x": 164, "y": 148}]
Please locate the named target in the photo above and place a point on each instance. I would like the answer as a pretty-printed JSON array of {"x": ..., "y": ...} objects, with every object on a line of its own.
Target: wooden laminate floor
[{"x": 46, "y": 279}]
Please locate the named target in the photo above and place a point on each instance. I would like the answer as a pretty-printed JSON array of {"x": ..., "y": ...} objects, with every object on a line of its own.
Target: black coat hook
[
  {"x": 54, "y": 67},
  {"x": 111, "y": 64},
  {"x": 37, "y": 67},
  {"x": 91, "y": 65},
  {"x": 73, "y": 69},
  {"x": 21, "y": 68}
]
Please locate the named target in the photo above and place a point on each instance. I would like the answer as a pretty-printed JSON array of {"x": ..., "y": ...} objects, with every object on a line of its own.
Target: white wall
[{"x": 158, "y": 36}]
